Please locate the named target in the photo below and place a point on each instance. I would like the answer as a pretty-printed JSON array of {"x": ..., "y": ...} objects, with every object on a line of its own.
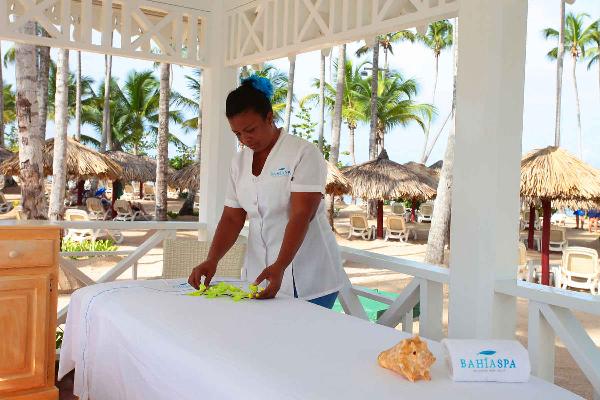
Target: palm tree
[
  {"x": 594, "y": 53},
  {"x": 321, "y": 126},
  {"x": 1, "y": 102},
  {"x": 290, "y": 93},
  {"x": 9, "y": 115},
  {"x": 437, "y": 38},
  {"x": 395, "y": 104},
  {"x": 336, "y": 127},
  {"x": 61, "y": 121},
  {"x": 386, "y": 41},
  {"x": 162, "y": 153},
  {"x": 86, "y": 92},
  {"x": 30, "y": 142},
  {"x": 43, "y": 84},
  {"x": 280, "y": 81},
  {"x": 106, "y": 139},
  {"x": 576, "y": 40},
  {"x": 352, "y": 112},
  {"x": 439, "y": 233},
  {"x": 78, "y": 99}
]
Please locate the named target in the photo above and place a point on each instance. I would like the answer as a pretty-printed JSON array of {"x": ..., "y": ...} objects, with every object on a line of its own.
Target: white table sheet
[{"x": 145, "y": 340}]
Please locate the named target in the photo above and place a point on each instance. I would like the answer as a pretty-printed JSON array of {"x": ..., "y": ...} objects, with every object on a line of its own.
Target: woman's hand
[
  {"x": 207, "y": 270},
  {"x": 274, "y": 275}
]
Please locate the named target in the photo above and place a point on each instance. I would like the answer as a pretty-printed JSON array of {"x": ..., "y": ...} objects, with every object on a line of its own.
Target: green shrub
[
  {"x": 172, "y": 214},
  {"x": 87, "y": 245}
]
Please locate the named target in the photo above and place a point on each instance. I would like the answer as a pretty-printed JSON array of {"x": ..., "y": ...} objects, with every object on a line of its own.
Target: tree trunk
[
  {"x": 428, "y": 129},
  {"x": 531, "y": 230},
  {"x": 78, "y": 99},
  {"x": 336, "y": 128},
  {"x": 380, "y": 219},
  {"x": 579, "y": 133},
  {"x": 106, "y": 140},
  {"x": 290, "y": 93},
  {"x": 162, "y": 154},
  {"x": 188, "y": 205},
  {"x": 43, "y": 73},
  {"x": 351, "y": 144},
  {"x": 546, "y": 242},
  {"x": 1, "y": 102},
  {"x": 321, "y": 126},
  {"x": 436, "y": 137},
  {"x": 559, "y": 73},
  {"x": 28, "y": 119},
  {"x": 374, "y": 85},
  {"x": 439, "y": 232},
  {"x": 61, "y": 122},
  {"x": 331, "y": 211},
  {"x": 80, "y": 190}
]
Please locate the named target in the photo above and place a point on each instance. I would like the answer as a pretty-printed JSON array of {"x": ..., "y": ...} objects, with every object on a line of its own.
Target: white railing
[
  {"x": 425, "y": 289},
  {"x": 163, "y": 230},
  {"x": 551, "y": 314}
]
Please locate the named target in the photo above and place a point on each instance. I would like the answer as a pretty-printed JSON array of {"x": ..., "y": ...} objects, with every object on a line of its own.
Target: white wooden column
[
  {"x": 218, "y": 142},
  {"x": 485, "y": 197}
]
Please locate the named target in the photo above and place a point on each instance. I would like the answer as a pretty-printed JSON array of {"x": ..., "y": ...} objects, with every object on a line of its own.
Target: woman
[{"x": 278, "y": 181}]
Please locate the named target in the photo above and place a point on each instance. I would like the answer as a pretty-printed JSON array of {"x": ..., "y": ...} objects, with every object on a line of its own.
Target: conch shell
[{"x": 411, "y": 358}]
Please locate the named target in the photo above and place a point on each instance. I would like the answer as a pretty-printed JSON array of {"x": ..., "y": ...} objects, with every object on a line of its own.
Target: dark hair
[{"x": 247, "y": 98}]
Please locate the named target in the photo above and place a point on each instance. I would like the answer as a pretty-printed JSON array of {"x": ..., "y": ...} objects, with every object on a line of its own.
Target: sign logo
[
  {"x": 281, "y": 172},
  {"x": 486, "y": 362}
]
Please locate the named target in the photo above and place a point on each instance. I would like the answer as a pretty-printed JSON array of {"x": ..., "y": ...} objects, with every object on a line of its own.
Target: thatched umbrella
[
  {"x": 82, "y": 163},
  {"x": 437, "y": 166},
  {"x": 136, "y": 168},
  {"x": 553, "y": 174},
  {"x": 383, "y": 179},
  {"x": 427, "y": 175},
  {"x": 337, "y": 185},
  {"x": 187, "y": 178}
]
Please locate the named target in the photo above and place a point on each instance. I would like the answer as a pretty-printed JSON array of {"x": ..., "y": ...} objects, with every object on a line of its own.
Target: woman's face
[{"x": 252, "y": 130}]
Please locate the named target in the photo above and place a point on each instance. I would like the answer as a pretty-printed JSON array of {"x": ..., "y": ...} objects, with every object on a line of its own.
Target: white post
[
  {"x": 485, "y": 197},
  {"x": 540, "y": 343},
  {"x": 218, "y": 142}
]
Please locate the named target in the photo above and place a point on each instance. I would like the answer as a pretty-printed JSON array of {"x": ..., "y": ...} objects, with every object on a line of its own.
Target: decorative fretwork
[
  {"x": 267, "y": 29},
  {"x": 130, "y": 28}
]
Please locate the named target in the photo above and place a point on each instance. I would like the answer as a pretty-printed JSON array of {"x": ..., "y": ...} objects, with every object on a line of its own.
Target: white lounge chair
[
  {"x": 399, "y": 209},
  {"x": 523, "y": 265},
  {"x": 396, "y": 228},
  {"x": 525, "y": 221},
  {"x": 425, "y": 213},
  {"x": 5, "y": 205},
  {"x": 83, "y": 234},
  {"x": 558, "y": 238},
  {"x": 359, "y": 226},
  {"x": 128, "y": 193},
  {"x": 197, "y": 201},
  {"x": 96, "y": 209},
  {"x": 180, "y": 256},
  {"x": 126, "y": 213},
  {"x": 149, "y": 192},
  {"x": 580, "y": 269}
]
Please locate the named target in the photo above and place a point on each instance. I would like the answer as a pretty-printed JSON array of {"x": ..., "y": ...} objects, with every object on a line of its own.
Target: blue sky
[{"x": 415, "y": 61}]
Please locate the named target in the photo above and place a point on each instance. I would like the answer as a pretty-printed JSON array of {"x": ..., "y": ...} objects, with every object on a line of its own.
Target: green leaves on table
[{"x": 223, "y": 289}]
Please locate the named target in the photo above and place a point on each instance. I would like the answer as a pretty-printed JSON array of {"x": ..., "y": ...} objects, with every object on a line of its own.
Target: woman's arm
[
  {"x": 303, "y": 207},
  {"x": 228, "y": 230}
]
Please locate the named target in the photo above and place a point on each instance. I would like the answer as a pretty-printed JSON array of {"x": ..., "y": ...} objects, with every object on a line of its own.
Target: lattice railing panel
[
  {"x": 130, "y": 28},
  {"x": 267, "y": 29}
]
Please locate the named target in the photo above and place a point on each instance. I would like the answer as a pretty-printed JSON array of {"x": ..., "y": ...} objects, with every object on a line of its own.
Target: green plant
[
  {"x": 306, "y": 127},
  {"x": 172, "y": 214},
  {"x": 69, "y": 245}
]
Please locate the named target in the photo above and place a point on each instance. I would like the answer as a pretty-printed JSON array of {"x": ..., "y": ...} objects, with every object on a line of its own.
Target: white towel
[{"x": 487, "y": 360}]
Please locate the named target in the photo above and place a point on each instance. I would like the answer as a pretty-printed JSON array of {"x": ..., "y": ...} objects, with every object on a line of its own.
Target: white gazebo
[{"x": 221, "y": 36}]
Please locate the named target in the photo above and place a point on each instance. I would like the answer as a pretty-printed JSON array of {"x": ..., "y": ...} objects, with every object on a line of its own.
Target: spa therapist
[{"x": 278, "y": 181}]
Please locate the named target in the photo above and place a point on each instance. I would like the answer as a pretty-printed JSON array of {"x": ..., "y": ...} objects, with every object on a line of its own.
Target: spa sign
[{"x": 485, "y": 361}]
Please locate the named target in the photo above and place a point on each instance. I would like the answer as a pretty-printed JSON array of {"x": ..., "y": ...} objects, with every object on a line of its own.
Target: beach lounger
[
  {"x": 128, "y": 193},
  {"x": 558, "y": 238},
  {"x": 425, "y": 213},
  {"x": 396, "y": 228},
  {"x": 126, "y": 213},
  {"x": 359, "y": 226},
  {"x": 149, "y": 192},
  {"x": 96, "y": 209},
  {"x": 83, "y": 234},
  {"x": 580, "y": 269}
]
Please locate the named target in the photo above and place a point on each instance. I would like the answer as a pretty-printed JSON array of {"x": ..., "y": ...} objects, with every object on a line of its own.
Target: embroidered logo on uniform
[{"x": 281, "y": 172}]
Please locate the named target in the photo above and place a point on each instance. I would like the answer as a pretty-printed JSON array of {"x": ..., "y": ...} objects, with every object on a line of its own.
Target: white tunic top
[{"x": 293, "y": 165}]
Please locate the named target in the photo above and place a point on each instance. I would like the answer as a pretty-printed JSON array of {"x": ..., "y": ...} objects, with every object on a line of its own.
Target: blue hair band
[{"x": 261, "y": 84}]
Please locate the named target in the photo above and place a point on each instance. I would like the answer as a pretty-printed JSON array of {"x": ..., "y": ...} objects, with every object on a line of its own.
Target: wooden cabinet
[{"x": 28, "y": 295}]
